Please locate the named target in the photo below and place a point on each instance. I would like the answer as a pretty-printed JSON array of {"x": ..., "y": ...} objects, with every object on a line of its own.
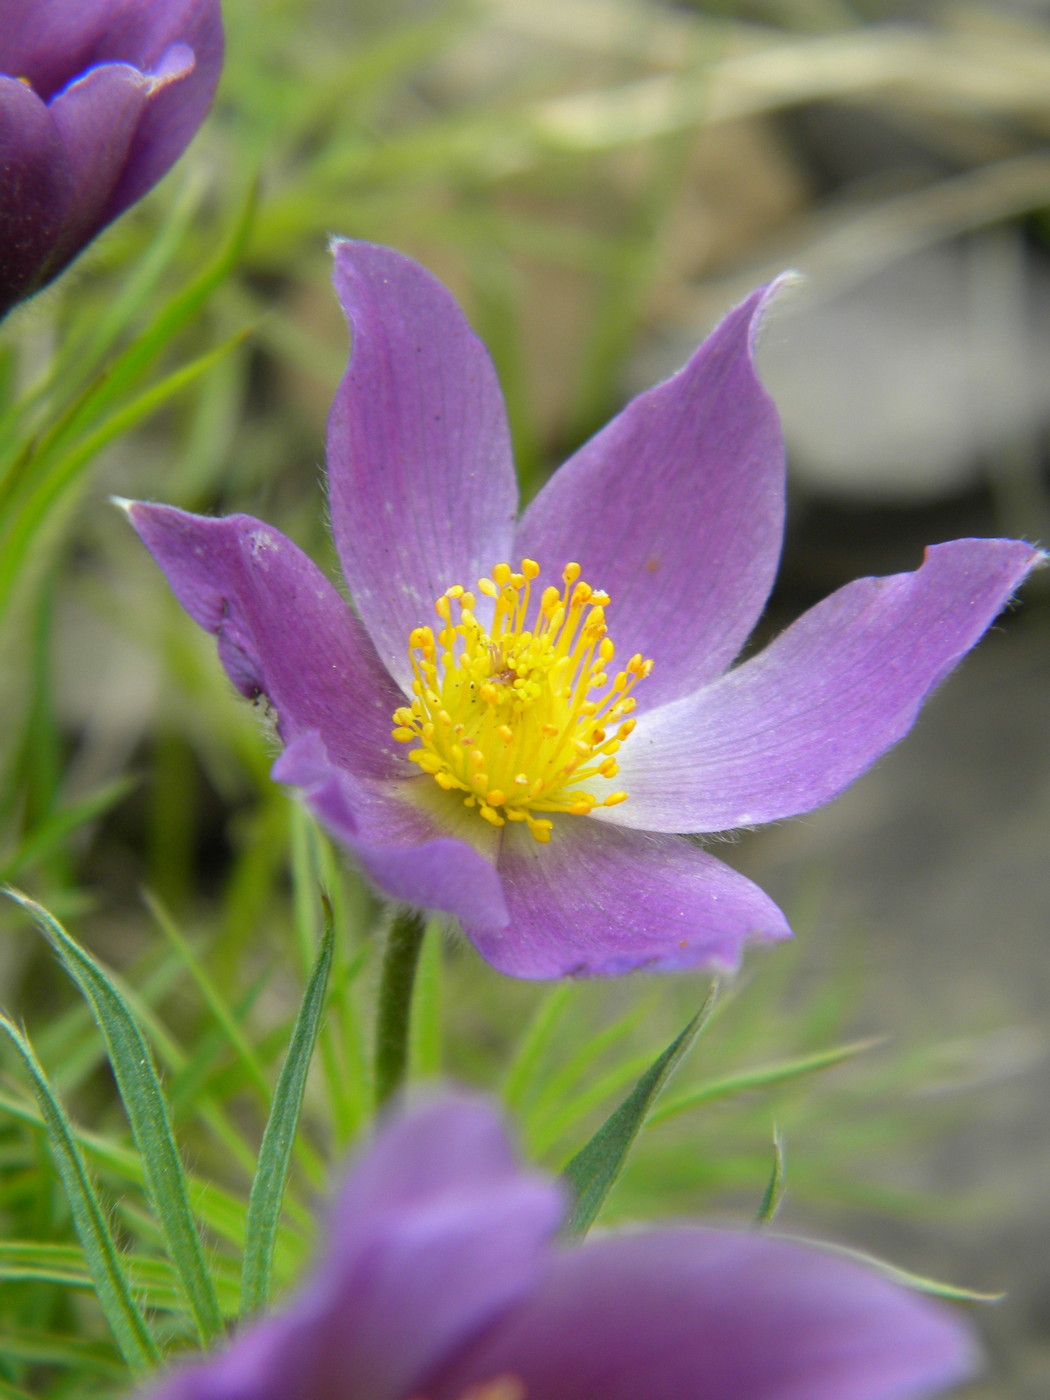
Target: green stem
[{"x": 394, "y": 1013}]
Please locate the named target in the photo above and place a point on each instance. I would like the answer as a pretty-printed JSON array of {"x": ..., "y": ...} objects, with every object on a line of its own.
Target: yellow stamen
[{"x": 517, "y": 718}]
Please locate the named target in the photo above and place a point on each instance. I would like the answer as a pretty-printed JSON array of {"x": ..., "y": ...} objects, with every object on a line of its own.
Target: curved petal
[
  {"x": 599, "y": 901},
  {"x": 395, "y": 840},
  {"x": 36, "y": 187},
  {"x": 437, "y": 1232},
  {"x": 51, "y": 41},
  {"x": 789, "y": 729},
  {"x": 717, "y": 1315},
  {"x": 419, "y": 464},
  {"x": 97, "y": 117},
  {"x": 283, "y": 631},
  {"x": 182, "y": 54},
  {"x": 676, "y": 509}
]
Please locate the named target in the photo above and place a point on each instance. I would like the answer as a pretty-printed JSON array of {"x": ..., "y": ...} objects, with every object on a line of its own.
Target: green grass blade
[
  {"x": 524, "y": 1072},
  {"x": 918, "y": 1283},
  {"x": 264, "y": 1203},
  {"x": 49, "y": 834},
  {"x": 148, "y": 1113},
  {"x": 100, "y": 1252},
  {"x": 592, "y": 1173},
  {"x": 762, "y": 1077},
  {"x": 31, "y": 513},
  {"x": 774, "y": 1192},
  {"x": 38, "y": 1348},
  {"x": 220, "y": 1211},
  {"x": 219, "y": 1007}
]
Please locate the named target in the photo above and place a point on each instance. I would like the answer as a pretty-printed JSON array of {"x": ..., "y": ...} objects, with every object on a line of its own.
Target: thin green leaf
[
  {"x": 100, "y": 1252},
  {"x": 222, "y": 1212},
  {"x": 550, "y": 1099},
  {"x": 53, "y": 830},
  {"x": 56, "y": 1349},
  {"x": 216, "y": 1001},
  {"x": 762, "y": 1077},
  {"x": 264, "y": 1203},
  {"x": 592, "y": 1173},
  {"x": 524, "y": 1069},
  {"x": 918, "y": 1283},
  {"x": 54, "y": 486},
  {"x": 774, "y": 1192},
  {"x": 148, "y": 1113}
]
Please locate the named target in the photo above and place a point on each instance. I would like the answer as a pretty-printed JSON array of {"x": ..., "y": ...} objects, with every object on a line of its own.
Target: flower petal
[
  {"x": 97, "y": 117},
  {"x": 437, "y": 1232},
  {"x": 598, "y": 901},
  {"x": 179, "y": 44},
  {"x": 789, "y": 729},
  {"x": 419, "y": 464},
  {"x": 395, "y": 840},
  {"x": 676, "y": 509},
  {"x": 283, "y": 631},
  {"x": 717, "y": 1315},
  {"x": 36, "y": 188},
  {"x": 50, "y": 42}
]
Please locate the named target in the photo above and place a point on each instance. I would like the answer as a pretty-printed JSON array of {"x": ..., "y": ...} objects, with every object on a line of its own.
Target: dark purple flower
[
  {"x": 98, "y": 99},
  {"x": 529, "y": 810},
  {"x": 441, "y": 1281}
]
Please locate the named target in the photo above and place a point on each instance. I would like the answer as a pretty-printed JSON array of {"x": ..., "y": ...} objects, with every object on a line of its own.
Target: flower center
[{"x": 518, "y": 717}]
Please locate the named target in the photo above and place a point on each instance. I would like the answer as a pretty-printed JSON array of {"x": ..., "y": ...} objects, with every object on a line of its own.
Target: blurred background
[{"x": 598, "y": 181}]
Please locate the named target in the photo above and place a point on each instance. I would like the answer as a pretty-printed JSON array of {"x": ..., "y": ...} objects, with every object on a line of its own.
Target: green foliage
[
  {"x": 593, "y": 1171},
  {"x": 567, "y": 168},
  {"x": 271, "y": 1174}
]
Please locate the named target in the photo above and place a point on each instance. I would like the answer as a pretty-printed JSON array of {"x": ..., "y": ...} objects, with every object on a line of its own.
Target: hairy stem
[{"x": 394, "y": 1013}]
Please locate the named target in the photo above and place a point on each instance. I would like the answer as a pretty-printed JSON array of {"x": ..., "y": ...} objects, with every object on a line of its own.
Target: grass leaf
[
  {"x": 774, "y": 1192},
  {"x": 762, "y": 1077},
  {"x": 592, "y": 1173},
  {"x": 89, "y": 1220},
  {"x": 264, "y": 1203},
  {"x": 148, "y": 1113}
]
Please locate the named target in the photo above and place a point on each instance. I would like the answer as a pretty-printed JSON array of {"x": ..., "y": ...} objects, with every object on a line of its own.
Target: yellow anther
[
  {"x": 614, "y": 799},
  {"x": 516, "y": 718}
]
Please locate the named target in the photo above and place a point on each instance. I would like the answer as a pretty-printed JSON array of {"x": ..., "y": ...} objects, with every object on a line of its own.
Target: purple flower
[
  {"x": 98, "y": 99},
  {"x": 441, "y": 1281},
  {"x": 475, "y": 754}
]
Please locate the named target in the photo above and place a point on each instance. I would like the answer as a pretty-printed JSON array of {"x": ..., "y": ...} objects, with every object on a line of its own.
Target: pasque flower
[
  {"x": 515, "y": 722},
  {"x": 98, "y": 99},
  {"x": 441, "y": 1281}
]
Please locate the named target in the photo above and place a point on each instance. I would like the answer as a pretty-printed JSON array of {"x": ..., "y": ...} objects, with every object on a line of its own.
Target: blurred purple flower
[
  {"x": 440, "y": 1281},
  {"x": 98, "y": 99},
  {"x": 565, "y": 858}
]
